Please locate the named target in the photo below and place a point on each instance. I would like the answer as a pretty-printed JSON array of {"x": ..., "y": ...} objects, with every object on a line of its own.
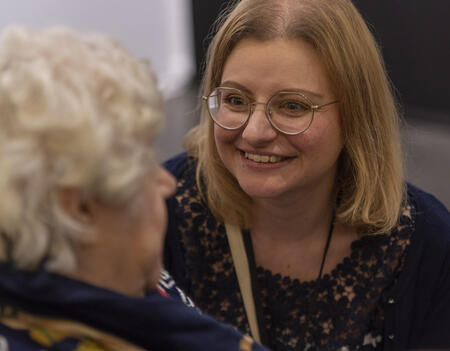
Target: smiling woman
[
  {"x": 306, "y": 160},
  {"x": 291, "y": 218}
]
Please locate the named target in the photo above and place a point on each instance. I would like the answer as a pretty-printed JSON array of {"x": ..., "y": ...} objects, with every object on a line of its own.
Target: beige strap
[{"x": 240, "y": 262}]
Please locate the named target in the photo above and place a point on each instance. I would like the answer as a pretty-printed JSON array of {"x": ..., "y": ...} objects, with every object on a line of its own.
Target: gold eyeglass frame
[{"x": 266, "y": 108}]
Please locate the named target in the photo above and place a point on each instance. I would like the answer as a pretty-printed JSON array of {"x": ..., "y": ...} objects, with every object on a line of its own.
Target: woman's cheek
[{"x": 225, "y": 136}]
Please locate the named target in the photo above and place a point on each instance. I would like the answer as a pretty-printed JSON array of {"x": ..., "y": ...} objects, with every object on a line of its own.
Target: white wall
[{"x": 157, "y": 29}]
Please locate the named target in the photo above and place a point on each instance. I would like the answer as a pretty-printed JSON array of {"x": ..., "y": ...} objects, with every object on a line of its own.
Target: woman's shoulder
[
  {"x": 179, "y": 164},
  {"x": 432, "y": 218},
  {"x": 430, "y": 239},
  {"x": 424, "y": 286}
]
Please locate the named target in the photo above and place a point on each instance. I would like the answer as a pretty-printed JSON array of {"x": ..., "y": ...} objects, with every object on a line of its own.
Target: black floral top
[{"x": 344, "y": 310}]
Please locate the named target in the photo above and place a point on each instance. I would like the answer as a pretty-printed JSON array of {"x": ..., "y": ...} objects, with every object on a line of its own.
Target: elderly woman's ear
[{"x": 74, "y": 206}]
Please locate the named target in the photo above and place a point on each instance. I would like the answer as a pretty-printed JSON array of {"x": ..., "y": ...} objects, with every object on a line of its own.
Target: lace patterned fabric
[{"x": 343, "y": 310}]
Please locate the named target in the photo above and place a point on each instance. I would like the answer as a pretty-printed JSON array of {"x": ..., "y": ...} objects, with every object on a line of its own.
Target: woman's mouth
[{"x": 264, "y": 158}]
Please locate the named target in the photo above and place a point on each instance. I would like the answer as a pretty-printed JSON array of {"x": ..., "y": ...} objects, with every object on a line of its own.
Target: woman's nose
[{"x": 258, "y": 129}]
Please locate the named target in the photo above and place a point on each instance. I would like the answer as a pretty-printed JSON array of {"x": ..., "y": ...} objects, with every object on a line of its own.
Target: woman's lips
[
  {"x": 265, "y": 161},
  {"x": 263, "y": 158}
]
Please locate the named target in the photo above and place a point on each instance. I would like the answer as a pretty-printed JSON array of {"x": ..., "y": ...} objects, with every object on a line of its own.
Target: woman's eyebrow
[
  {"x": 233, "y": 84},
  {"x": 305, "y": 92}
]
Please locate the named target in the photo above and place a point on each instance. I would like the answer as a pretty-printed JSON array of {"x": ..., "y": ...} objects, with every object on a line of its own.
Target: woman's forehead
[{"x": 275, "y": 65}]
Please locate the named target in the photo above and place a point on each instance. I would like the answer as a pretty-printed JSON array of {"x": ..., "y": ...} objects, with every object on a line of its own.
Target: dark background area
[
  {"x": 414, "y": 36},
  {"x": 204, "y": 16}
]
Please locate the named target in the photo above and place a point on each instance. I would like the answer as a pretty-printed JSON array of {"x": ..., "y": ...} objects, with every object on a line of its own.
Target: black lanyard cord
[{"x": 264, "y": 336}]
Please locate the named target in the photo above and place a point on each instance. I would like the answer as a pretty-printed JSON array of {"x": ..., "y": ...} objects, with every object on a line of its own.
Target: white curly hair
[{"x": 76, "y": 111}]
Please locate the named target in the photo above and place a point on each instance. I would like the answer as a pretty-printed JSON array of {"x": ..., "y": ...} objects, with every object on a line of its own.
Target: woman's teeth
[{"x": 263, "y": 158}]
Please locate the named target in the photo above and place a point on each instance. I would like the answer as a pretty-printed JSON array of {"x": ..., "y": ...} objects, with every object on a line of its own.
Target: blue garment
[
  {"x": 415, "y": 304},
  {"x": 35, "y": 305}
]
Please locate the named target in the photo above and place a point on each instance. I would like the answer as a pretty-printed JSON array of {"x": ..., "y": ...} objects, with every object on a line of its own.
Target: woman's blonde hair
[
  {"x": 369, "y": 183},
  {"x": 76, "y": 111}
]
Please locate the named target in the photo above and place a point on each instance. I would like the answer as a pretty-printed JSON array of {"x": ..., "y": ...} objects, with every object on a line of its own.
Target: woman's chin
[{"x": 262, "y": 191}]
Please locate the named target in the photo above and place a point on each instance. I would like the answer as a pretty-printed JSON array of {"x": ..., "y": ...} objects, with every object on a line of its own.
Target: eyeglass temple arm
[{"x": 318, "y": 107}]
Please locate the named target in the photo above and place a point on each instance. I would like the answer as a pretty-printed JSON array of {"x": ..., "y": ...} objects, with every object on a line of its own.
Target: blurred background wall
[
  {"x": 414, "y": 36},
  {"x": 157, "y": 29}
]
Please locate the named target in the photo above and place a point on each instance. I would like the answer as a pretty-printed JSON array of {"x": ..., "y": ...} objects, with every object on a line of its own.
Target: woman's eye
[
  {"x": 235, "y": 100},
  {"x": 294, "y": 107}
]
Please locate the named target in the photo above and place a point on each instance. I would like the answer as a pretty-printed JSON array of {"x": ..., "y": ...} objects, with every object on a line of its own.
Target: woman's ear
[{"x": 74, "y": 206}]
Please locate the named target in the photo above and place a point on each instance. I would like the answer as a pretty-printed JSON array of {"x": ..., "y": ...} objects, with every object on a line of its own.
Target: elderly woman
[
  {"x": 292, "y": 218},
  {"x": 82, "y": 210}
]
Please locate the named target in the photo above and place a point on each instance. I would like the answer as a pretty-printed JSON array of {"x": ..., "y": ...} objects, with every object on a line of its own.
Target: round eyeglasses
[{"x": 290, "y": 113}]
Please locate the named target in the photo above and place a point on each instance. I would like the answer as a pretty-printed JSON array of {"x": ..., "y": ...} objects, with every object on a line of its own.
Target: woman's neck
[
  {"x": 289, "y": 235},
  {"x": 294, "y": 217}
]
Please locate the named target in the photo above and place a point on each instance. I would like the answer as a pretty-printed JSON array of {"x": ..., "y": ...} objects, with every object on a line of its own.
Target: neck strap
[{"x": 244, "y": 261}]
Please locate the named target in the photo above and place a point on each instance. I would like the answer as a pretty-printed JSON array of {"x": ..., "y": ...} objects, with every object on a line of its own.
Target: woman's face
[{"x": 303, "y": 162}]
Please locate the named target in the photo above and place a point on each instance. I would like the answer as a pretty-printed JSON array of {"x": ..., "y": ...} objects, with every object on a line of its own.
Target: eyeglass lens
[{"x": 288, "y": 112}]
